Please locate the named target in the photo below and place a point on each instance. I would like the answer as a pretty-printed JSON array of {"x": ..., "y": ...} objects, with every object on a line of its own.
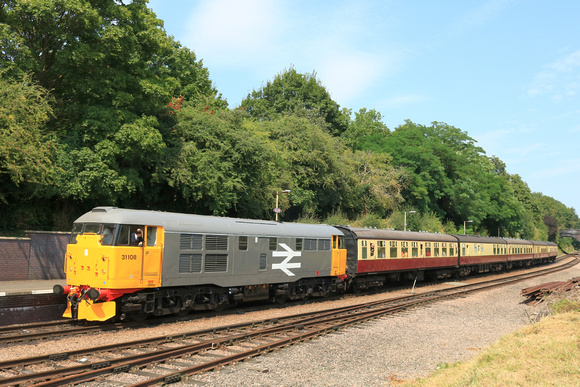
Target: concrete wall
[{"x": 38, "y": 257}]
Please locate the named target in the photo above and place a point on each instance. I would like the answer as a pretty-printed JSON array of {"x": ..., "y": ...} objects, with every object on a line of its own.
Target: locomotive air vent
[{"x": 102, "y": 209}]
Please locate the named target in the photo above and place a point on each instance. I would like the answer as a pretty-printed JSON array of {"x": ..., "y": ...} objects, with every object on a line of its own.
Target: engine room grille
[
  {"x": 190, "y": 263},
  {"x": 216, "y": 263},
  {"x": 310, "y": 244},
  {"x": 216, "y": 242},
  {"x": 190, "y": 242},
  {"x": 324, "y": 244}
]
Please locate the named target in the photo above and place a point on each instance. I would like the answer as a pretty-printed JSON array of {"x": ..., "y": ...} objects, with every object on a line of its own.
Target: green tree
[
  {"x": 295, "y": 93},
  {"x": 314, "y": 164},
  {"x": 220, "y": 165},
  {"x": 117, "y": 81},
  {"x": 26, "y": 150},
  {"x": 366, "y": 132}
]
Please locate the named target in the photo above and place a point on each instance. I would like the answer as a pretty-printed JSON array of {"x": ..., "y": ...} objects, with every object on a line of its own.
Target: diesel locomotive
[{"x": 131, "y": 264}]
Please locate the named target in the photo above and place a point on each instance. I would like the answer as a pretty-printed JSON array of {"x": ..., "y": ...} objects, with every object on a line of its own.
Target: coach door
[
  {"x": 338, "y": 256},
  {"x": 152, "y": 256}
]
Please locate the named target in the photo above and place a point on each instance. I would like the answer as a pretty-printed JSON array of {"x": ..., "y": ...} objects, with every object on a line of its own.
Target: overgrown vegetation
[
  {"x": 99, "y": 106},
  {"x": 542, "y": 354}
]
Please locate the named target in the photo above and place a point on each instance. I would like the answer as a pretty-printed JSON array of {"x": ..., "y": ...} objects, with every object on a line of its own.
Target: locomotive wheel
[{"x": 138, "y": 316}]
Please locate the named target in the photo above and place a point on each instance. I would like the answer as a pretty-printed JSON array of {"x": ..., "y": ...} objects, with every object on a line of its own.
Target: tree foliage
[
  {"x": 99, "y": 106},
  {"x": 26, "y": 163},
  {"x": 298, "y": 94}
]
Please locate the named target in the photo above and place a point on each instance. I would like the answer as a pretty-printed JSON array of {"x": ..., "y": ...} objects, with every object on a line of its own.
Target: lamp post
[
  {"x": 277, "y": 210},
  {"x": 410, "y": 212},
  {"x": 466, "y": 221}
]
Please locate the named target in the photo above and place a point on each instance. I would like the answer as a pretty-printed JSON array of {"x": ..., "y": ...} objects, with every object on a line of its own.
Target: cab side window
[{"x": 151, "y": 236}]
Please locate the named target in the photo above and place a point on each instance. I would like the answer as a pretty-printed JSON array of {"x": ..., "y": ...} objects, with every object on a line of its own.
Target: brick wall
[
  {"x": 47, "y": 251},
  {"x": 14, "y": 253},
  {"x": 39, "y": 257}
]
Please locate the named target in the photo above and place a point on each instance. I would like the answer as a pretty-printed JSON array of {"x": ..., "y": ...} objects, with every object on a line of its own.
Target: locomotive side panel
[{"x": 242, "y": 260}]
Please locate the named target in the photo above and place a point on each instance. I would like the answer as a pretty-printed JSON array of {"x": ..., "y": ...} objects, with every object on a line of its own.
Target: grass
[{"x": 546, "y": 353}]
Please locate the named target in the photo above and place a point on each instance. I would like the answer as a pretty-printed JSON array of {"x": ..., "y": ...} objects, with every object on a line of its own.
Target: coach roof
[{"x": 373, "y": 233}]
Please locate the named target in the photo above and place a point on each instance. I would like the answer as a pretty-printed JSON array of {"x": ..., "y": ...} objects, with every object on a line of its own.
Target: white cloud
[
  {"x": 262, "y": 38},
  {"x": 231, "y": 31},
  {"x": 560, "y": 80}
]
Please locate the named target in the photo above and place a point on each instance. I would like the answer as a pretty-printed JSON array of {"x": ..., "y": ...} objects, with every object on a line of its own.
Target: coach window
[
  {"x": 444, "y": 249},
  {"x": 436, "y": 249},
  {"x": 428, "y": 249},
  {"x": 464, "y": 248},
  {"x": 393, "y": 249},
  {"x": 414, "y": 249},
  {"x": 451, "y": 250},
  {"x": 381, "y": 249},
  {"x": 243, "y": 243},
  {"x": 364, "y": 249},
  {"x": 298, "y": 244},
  {"x": 404, "y": 249}
]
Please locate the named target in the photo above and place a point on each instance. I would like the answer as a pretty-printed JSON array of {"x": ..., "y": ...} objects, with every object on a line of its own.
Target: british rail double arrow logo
[{"x": 285, "y": 264}]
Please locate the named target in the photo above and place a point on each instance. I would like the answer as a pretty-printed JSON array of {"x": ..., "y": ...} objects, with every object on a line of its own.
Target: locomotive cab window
[
  {"x": 130, "y": 235},
  {"x": 151, "y": 236}
]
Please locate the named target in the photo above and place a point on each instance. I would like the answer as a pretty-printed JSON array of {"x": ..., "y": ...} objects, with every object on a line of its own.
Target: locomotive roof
[
  {"x": 190, "y": 223},
  {"x": 372, "y": 233}
]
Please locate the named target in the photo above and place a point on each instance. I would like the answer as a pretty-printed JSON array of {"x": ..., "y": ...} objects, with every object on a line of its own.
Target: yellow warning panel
[
  {"x": 99, "y": 311},
  {"x": 68, "y": 312}
]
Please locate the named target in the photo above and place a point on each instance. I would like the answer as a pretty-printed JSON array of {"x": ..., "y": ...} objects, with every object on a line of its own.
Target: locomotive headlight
[{"x": 104, "y": 271}]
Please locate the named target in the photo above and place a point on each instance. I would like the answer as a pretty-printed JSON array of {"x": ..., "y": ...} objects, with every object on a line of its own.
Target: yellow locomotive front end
[{"x": 106, "y": 261}]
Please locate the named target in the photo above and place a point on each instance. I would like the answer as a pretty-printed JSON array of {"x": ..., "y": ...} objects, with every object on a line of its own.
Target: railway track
[{"x": 164, "y": 360}]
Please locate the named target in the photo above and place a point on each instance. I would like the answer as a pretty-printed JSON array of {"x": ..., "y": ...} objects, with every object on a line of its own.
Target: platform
[{"x": 12, "y": 288}]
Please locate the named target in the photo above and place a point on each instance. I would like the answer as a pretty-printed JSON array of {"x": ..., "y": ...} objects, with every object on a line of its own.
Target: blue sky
[{"x": 507, "y": 72}]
